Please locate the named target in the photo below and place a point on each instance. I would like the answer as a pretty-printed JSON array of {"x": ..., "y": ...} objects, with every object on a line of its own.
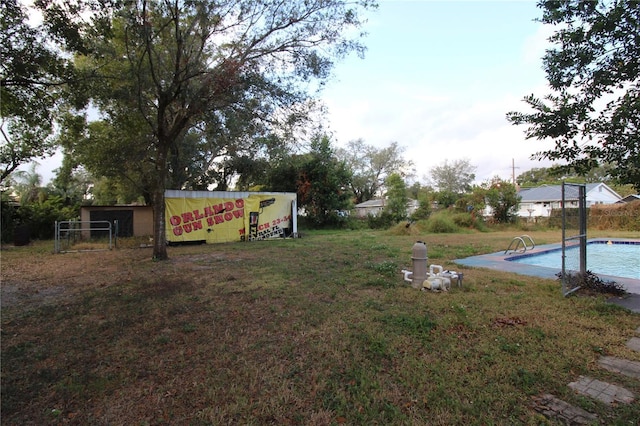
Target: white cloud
[
  {"x": 434, "y": 128},
  {"x": 534, "y": 46}
]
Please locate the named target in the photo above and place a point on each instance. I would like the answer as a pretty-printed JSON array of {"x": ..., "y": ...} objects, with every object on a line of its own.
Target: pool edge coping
[{"x": 498, "y": 261}]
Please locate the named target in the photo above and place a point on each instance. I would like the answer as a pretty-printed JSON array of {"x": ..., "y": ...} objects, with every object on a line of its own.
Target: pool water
[{"x": 606, "y": 258}]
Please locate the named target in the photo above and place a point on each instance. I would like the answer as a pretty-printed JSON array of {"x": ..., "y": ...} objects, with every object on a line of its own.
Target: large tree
[
  {"x": 319, "y": 178},
  {"x": 37, "y": 71},
  {"x": 31, "y": 77},
  {"x": 371, "y": 166},
  {"x": 593, "y": 68},
  {"x": 455, "y": 177},
  {"x": 173, "y": 63}
]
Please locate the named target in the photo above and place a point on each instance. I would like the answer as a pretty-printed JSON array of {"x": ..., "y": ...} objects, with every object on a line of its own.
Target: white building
[
  {"x": 376, "y": 206},
  {"x": 539, "y": 201}
]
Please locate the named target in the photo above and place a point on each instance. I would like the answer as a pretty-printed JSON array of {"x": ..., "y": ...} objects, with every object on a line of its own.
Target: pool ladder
[{"x": 517, "y": 242}]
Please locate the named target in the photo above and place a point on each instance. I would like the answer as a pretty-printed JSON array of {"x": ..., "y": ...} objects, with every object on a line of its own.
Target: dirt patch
[
  {"x": 12, "y": 294},
  {"x": 49, "y": 278},
  {"x": 30, "y": 281}
]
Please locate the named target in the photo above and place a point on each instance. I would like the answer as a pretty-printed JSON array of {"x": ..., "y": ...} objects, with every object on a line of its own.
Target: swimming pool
[
  {"x": 502, "y": 262},
  {"x": 616, "y": 258}
]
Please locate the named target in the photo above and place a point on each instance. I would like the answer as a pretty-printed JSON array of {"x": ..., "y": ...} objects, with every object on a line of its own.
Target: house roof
[
  {"x": 370, "y": 204},
  {"x": 379, "y": 202},
  {"x": 542, "y": 193},
  {"x": 629, "y": 198},
  {"x": 554, "y": 192}
]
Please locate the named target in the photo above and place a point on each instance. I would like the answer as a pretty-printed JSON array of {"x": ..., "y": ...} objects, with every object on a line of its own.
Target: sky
[{"x": 438, "y": 78}]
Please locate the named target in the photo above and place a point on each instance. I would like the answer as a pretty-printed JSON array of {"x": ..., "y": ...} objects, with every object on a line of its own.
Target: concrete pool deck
[{"x": 497, "y": 261}]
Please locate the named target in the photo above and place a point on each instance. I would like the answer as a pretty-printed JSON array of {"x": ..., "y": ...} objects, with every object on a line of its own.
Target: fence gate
[
  {"x": 574, "y": 235},
  {"x": 78, "y": 235}
]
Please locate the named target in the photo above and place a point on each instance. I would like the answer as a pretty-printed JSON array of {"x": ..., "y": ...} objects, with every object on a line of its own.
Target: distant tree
[
  {"x": 71, "y": 182},
  {"x": 322, "y": 184},
  {"x": 370, "y": 166},
  {"x": 397, "y": 198},
  {"x": 425, "y": 197},
  {"x": 593, "y": 113},
  {"x": 503, "y": 199},
  {"x": 555, "y": 175},
  {"x": 28, "y": 185},
  {"x": 624, "y": 190},
  {"x": 446, "y": 198},
  {"x": 424, "y": 209},
  {"x": 455, "y": 178},
  {"x": 474, "y": 201},
  {"x": 540, "y": 176},
  {"x": 416, "y": 190}
]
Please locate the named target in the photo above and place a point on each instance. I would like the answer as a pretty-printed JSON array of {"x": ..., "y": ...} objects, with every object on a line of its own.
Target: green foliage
[
  {"x": 555, "y": 175},
  {"x": 371, "y": 166},
  {"x": 463, "y": 220},
  {"x": 423, "y": 211},
  {"x": 384, "y": 220},
  {"x": 454, "y": 178},
  {"x": 446, "y": 198},
  {"x": 387, "y": 267},
  {"x": 472, "y": 202},
  {"x": 7, "y": 219},
  {"x": 39, "y": 207},
  {"x": 31, "y": 81},
  {"x": 592, "y": 69},
  {"x": 40, "y": 217},
  {"x": 420, "y": 325},
  {"x": 396, "y": 197},
  {"x": 441, "y": 223},
  {"x": 322, "y": 185},
  {"x": 503, "y": 199}
]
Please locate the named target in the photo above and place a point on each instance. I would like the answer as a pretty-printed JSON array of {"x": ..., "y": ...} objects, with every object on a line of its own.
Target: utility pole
[{"x": 513, "y": 171}]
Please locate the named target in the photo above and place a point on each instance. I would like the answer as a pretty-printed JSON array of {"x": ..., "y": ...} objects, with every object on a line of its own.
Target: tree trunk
[{"x": 159, "y": 232}]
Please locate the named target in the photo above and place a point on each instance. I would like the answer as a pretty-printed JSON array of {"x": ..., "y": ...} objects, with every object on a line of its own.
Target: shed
[{"x": 133, "y": 220}]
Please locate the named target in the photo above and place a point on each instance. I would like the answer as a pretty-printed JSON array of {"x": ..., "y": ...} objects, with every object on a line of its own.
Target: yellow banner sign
[{"x": 217, "y": 220}]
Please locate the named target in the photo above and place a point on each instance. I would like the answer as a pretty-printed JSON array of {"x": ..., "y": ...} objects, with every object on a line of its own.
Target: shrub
[
  {"x": 615, "y": 216},
  {"x": 463, "y": 220},
  {"x": 441, "y": 224},
  {"x": 40, "y": 217},
  {"x": 468, "y": 220},
  {"x": 382, "y": 221},
  {"x": 7, "y": 220}
]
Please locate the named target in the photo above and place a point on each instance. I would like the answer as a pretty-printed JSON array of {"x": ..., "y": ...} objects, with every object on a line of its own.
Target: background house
[
  {"x": 629, "y": 198},
  {"x": 376, "y": 206},
  {"x": 539, "y": 201}
]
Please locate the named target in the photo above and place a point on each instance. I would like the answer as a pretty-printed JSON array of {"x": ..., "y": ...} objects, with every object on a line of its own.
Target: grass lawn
[{"x": 314, "y": 331}]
